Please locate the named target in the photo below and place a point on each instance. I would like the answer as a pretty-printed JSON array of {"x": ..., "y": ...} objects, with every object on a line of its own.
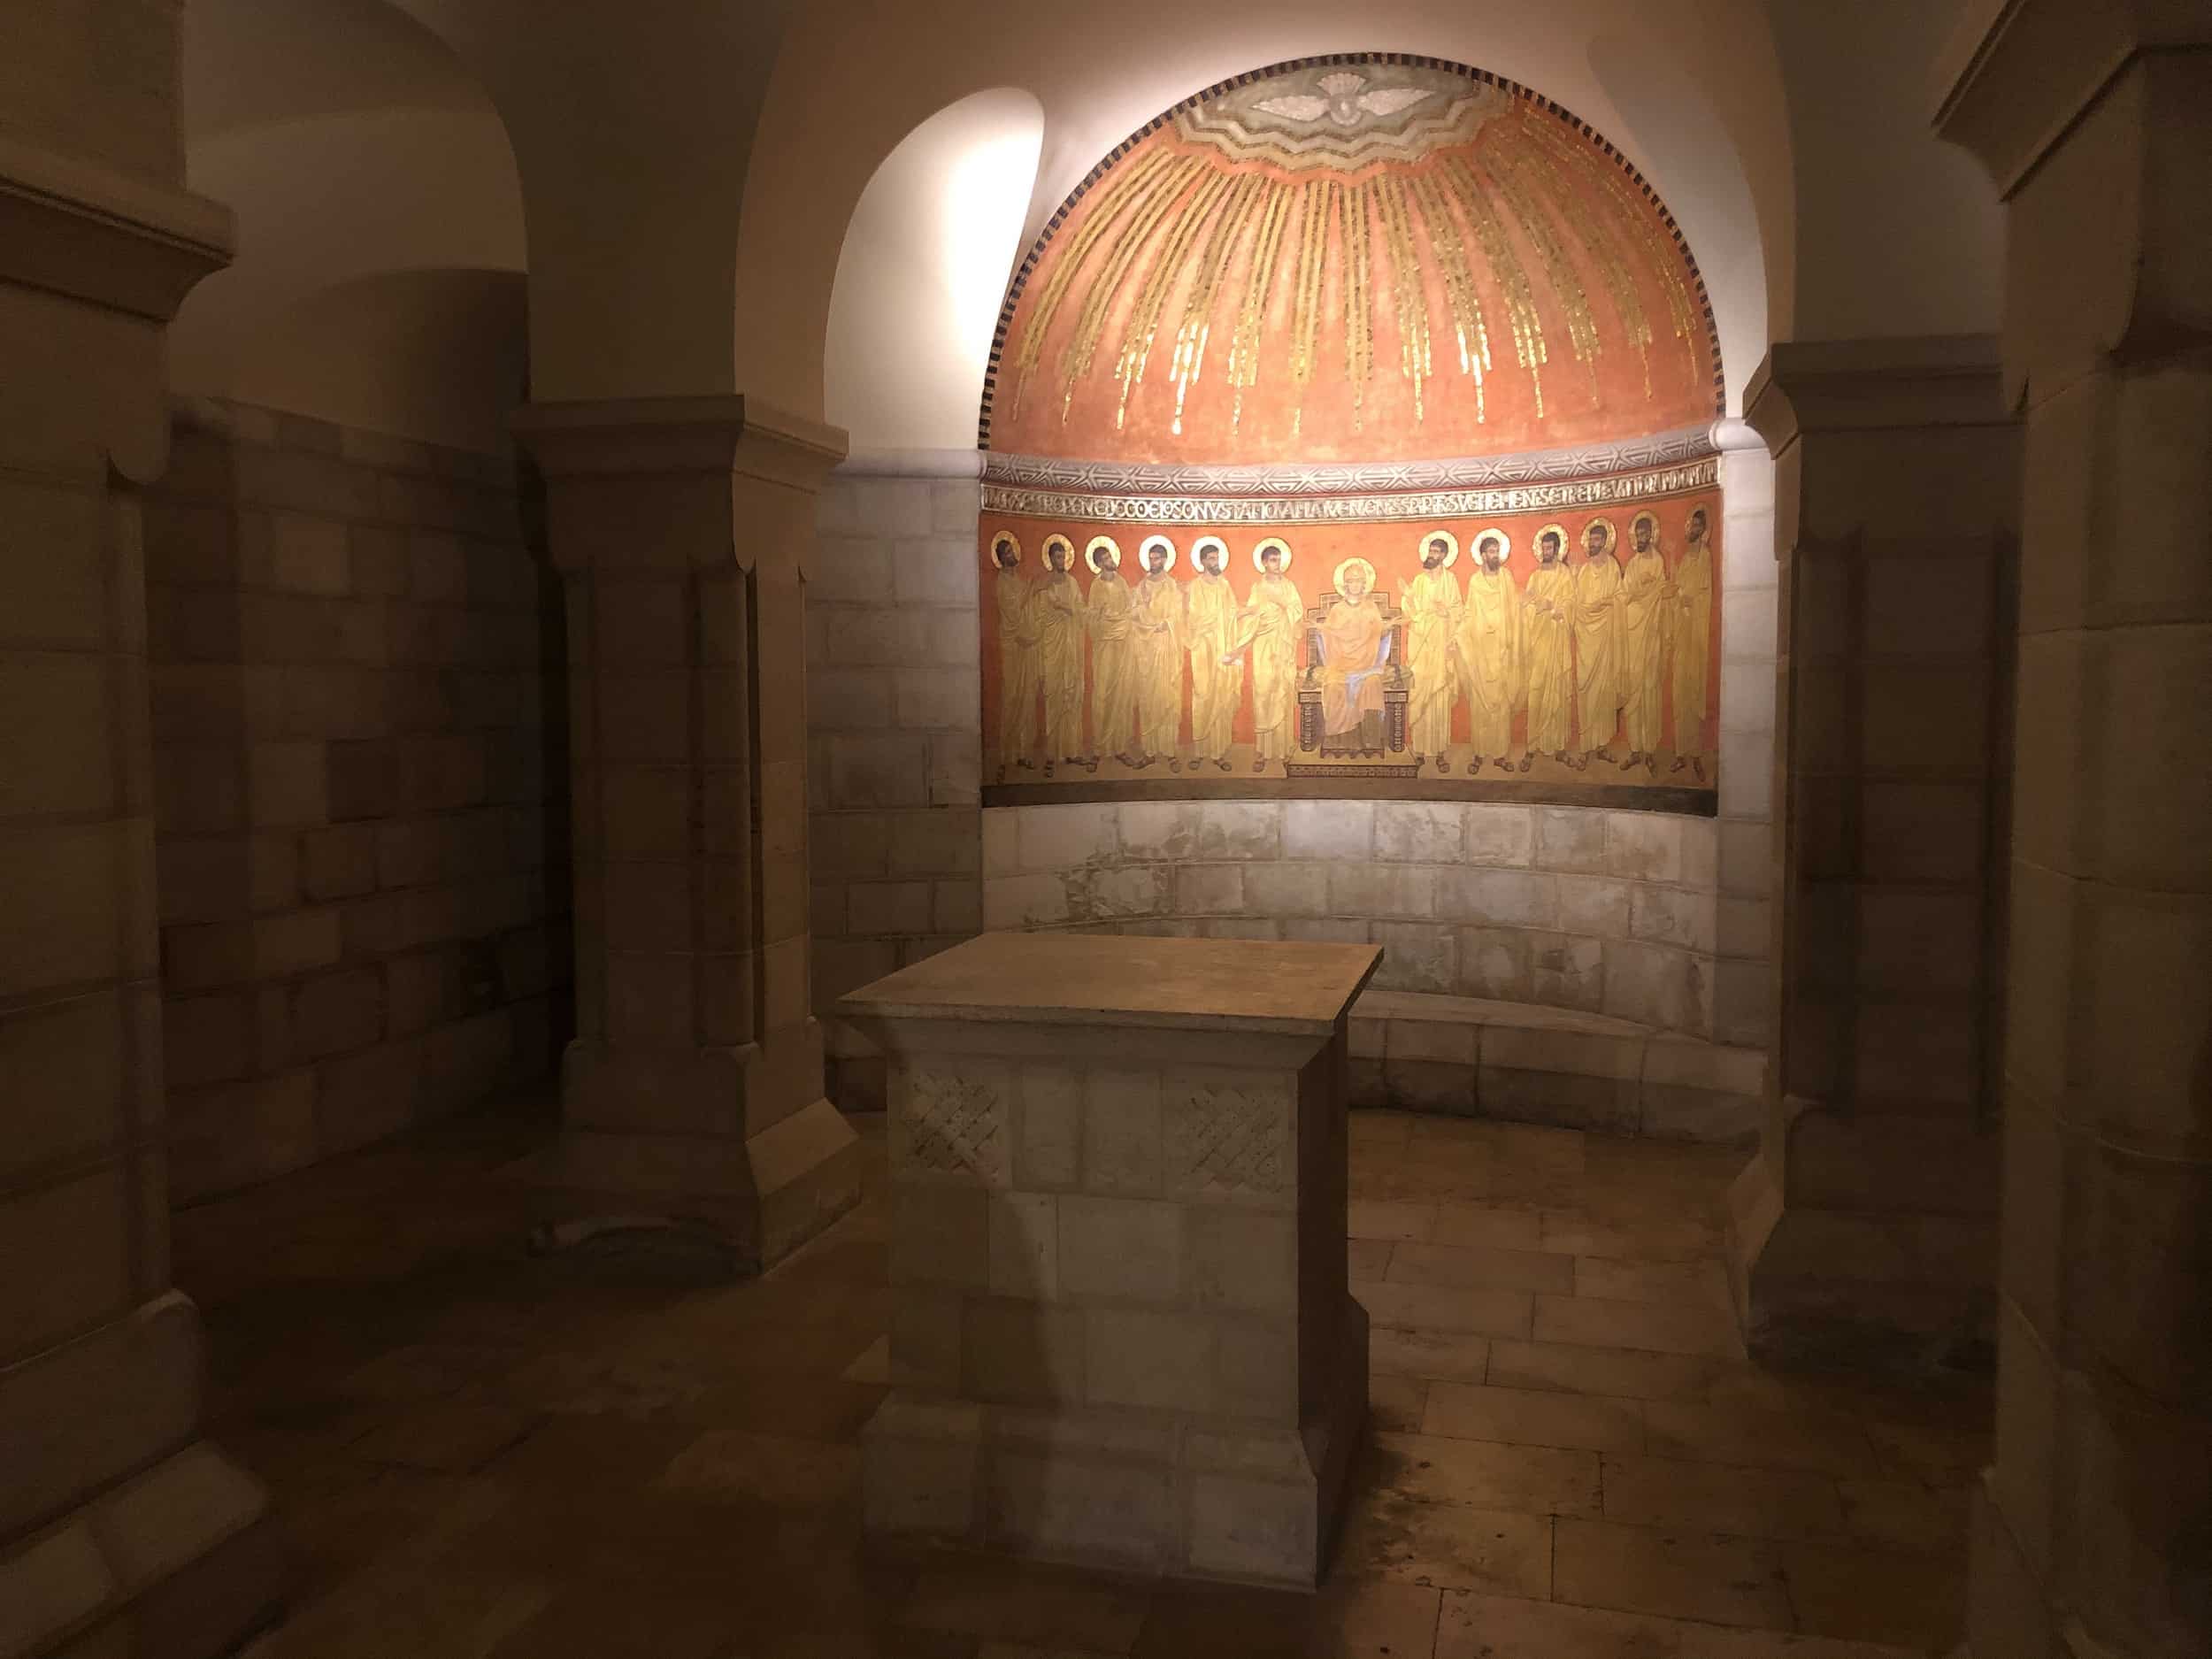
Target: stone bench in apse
[{"x": 1121, "y": 1332}]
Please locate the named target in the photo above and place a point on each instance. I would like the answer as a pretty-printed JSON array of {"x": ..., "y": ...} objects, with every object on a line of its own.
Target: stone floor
[{"x": 481, "y": 1453}]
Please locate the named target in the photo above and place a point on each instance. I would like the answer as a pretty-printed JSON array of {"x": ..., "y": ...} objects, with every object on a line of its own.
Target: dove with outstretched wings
[{"x": 1342, "y": 100}]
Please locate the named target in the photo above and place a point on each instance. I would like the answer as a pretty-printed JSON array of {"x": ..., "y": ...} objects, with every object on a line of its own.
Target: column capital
[
  {"x": 668, "y": 436},
  {"x": 1867, "y": 385},
  {"x": 73, "y": 226},
  {"x": 2018, "y": 73}
]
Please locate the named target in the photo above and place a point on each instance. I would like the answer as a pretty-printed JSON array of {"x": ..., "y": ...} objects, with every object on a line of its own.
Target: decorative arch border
[{"x": 1415, "y": 60}]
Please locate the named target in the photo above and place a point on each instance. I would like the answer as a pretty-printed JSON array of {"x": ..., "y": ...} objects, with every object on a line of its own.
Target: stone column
[
  {"x": 121, "y": 1529},
  {"x": 691, "y": 1094},
  {"x": 1864, "y": 1231},
  {"x": 2092, "y": 1533}
]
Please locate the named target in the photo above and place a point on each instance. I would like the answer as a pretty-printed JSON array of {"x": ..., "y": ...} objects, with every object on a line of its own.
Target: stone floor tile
[
  {"x": 1827, "y": 1443},
  {"x": 421, "y": 1371},
  {"x": 1396, "y": 1402},
  {"x": 1475, "y": 1626},
  {"x": 1347, "y": 1618},
  {"x": 873, "y": 1365},
  {"x": 1905, "y": 1515},
  {"x": 1370, "y": 1219},
  {"x": 1482, "y": 1266},
  {"x": 772, "y": 1468},
  {"x": 1660, "y": 1327},
  {"x": 1458, "y": 1177},
  {"x": 590, "y": 1454},
  {"x": 1494, "y": 1226},
  {"x": 1535, "y": 1480},
  {"x": 1714, "y": 1641},
  {"x": 606, "y": 1622},
  {"x": 430, "y": 1613},
  {"x": 1720, "y": 1498},
  {"x": 1368, "y": 1258},
  {"x": 1395, "y": 1350},
  {"x": 1380, "y": 1129},
  {"x": 450, "y": 1436},
  {"x": 1610, "y": 1279},
  {"x": 1673, "y": 1572},
  {"x": 1859, "y": 1593},
  {"x": 1525, "y": 1417},
  {"x": 1572, "y": 1368},
  {"x": 1023, "y": 1604},
  {"x": 1573, "y": 1232},
  {"x": 1453, "y": 1545},
  {"x": 1445, "y": 1308}
]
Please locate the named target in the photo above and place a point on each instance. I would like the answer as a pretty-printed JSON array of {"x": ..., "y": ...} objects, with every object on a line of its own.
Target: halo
[
  {"x": 1090, "y": 551},
  {"x": 1697, "y": 507},
  {"x": 1199, "y": 547},
  {"x": 1058, "y": 541},
  {"x": 1148, "y": 545},
  {"x": 1645, "y": 517},
  {"x": 1450, "y": 541},
  {"x": 1348, "y": 565},
  {"x": 1536, "y": 543},
  {"x": 1475, "y": 541},
  {"x": 1279, "y": 544},
  {"x": 1612, "y": 535},
  {"x": 1001, "y": 540}
]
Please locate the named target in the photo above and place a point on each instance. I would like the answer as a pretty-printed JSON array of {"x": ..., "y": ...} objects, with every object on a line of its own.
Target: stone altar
[{"x": 1123, "y": 1334}]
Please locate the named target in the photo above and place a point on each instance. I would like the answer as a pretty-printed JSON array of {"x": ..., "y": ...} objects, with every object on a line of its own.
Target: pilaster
[
  {"x": 1865, "y": 1231},
  {"x": 692, "y": 1095},
  {"x": 122, "y": 1530},
  {"x": 2089, "y": 1534}
]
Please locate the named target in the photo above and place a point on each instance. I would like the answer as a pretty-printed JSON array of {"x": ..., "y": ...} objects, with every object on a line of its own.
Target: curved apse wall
[{"x": 1349, "y": 435}]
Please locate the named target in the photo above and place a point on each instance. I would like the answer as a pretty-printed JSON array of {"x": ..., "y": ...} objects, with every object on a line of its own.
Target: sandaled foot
[{"x": 1525, "y": 761}]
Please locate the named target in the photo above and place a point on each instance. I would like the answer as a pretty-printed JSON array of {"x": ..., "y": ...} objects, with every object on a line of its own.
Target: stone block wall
[
  {"x": 1661, "y": 919},
  {"x": 894, "y": 720},
  {"x": 359, "y": 727}
]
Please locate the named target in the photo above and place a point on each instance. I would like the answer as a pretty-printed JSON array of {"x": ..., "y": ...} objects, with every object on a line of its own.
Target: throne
[{"x": 1397, "y": 683}]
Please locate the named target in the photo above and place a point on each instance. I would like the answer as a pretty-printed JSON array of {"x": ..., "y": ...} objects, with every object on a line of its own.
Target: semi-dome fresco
[
  {"x": 1354, "y": 259},
  {"x": 1350, "y": 433}
]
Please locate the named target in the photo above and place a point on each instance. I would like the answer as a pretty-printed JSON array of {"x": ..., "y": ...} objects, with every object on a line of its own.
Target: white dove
[{"x": 1344, "y": 103}]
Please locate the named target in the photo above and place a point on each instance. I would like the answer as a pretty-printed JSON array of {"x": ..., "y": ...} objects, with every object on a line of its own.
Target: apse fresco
[
  {"x": 1564, "y": 657},
  {"x": 1352, "y": 257},
  {"x": 1349, "y": 433}
]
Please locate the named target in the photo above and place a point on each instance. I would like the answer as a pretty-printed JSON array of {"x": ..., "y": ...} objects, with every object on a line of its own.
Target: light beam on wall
[{"x": 922, "y": 271}]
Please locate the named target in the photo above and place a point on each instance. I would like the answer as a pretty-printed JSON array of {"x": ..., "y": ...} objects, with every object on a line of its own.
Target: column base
[
  {"x": 1148, "y": 1492},
  {"x": 751, "y": 1201},
  {"x": 183, "y": 1561}
]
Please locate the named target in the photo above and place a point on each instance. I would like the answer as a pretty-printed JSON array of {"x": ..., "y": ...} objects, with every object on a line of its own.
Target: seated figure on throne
[{"x": 1354, "y": 642}]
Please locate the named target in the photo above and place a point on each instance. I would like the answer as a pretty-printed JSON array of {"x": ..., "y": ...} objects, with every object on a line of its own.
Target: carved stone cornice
[
  {"x": 1868, "y": 385},
  {"x": 2019, "y": 73},
  {"x": 72, "y": 227},
  {"x": 675, "y": 436}
]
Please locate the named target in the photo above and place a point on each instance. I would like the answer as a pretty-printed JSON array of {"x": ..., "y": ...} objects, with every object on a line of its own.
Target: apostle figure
[
  {"x": 1055, "y": 615},
  {"x": 1487, "y": 650},
  {"x": 1597, "y": 628},
  {"x": 1691, "y": 598},
  {"x": 1546, "y": 645},
  {"x": 1017, "y": 657},
  {"x": 1210, "y": 614},
  {"x": 1111, "y": 618},
  {"x": 1645, "y": 622},
  {"x": 1268, "y": 627},
  {"x": 1158, "y": 651},
  {"x": 1431, "y": 602},
  {"x": 1355, "y": 658}
]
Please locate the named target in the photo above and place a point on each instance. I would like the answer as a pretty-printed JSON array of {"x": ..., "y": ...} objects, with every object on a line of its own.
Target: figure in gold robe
[
  {"x": 1354, "y": 658},
  {"x": 1210, "y": 614},
  {"x": 1597, "y": 629},
  {"x": 1158, "y": 653},
  {"x": 1017, "y": 658},
  {"x": 1690, "y": 596},
  {"x": 1056, "y": 617},
  {"x": 1430, "y": 603},
  {"x": 1268, "y": 627},
  {"x": 1546, "y": 645},
  {"x": 1644, "y": 627},
  {"x": 1111, "y": 619},
  {"x": 1487, "y": 650}
]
